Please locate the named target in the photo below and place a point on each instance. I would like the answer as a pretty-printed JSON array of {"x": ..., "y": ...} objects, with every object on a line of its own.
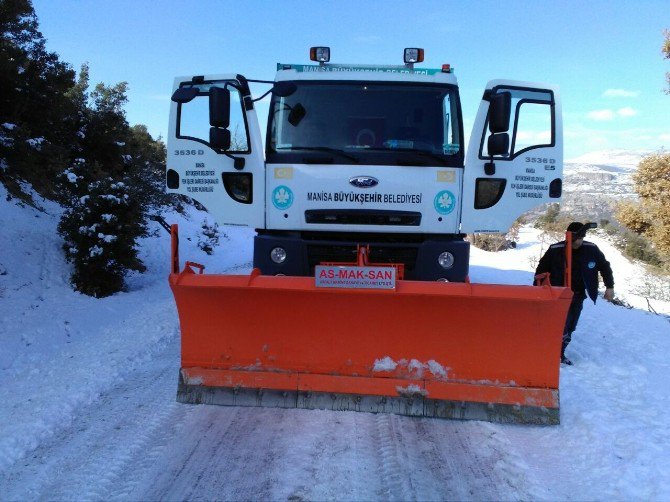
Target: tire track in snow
[
  {"x": 230, "y": 459},
  {"x": 251, "y": 453},
  {"x": 365, "y": 484},
  {"x": 501, "y": 469},
  {"x": 86, "y": 460},
  {"x": 180, "y": 475},
  {"x": 447, "y": 457},
  {"x": 136, "y": 443},
  {"x": 147, "y": 461},
  {"x": 393, "y": 461},
  {"x": 474, "y": 460},
  {"x": 89, "y": 368},
  {"x": 325, "y": 455}
]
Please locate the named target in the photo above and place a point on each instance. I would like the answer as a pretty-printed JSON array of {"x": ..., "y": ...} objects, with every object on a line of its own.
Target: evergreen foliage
[
  {"x": 637, "y": 247},
  {"x": 100, "y": 228},
  {"x": 74, "y": 145},
  {"x": 37, "y": 119},
  {"x": 144, "y": 160},
  {"x": 116, "y": 181},
  {"x": 553, "y": 220},
  {"x": 210, "y": 237},
  {"x": 498, "y": 242}
]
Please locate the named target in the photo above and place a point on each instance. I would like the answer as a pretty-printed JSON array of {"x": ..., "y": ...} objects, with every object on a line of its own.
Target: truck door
[
  {"x": 514, "y": 159},
  {"x": 217, "y": 158}
]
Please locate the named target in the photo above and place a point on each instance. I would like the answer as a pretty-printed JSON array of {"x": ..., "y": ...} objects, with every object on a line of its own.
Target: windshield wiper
[
  {"x": 423, "y": 153},
  {"x": 337, "y": 151}
]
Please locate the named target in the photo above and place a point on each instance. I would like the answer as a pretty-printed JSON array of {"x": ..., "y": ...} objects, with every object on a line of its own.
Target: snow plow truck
[{"x": 361, "y": 195}]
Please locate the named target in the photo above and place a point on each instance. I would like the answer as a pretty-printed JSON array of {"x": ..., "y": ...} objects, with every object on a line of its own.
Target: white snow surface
[
  {"x": 35, "y": 143},
  {"x": 88, "y": 388},
  {"x": 625, "y": 159},
  {"x": 385, "y": 364}
]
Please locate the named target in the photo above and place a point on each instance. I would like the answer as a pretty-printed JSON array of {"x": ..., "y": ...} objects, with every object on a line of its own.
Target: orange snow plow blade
[{"x": 453, "y": 350}]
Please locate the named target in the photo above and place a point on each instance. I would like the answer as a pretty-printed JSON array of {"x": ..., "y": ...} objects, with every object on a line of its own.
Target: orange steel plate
[{"x": 495, "y": 335}]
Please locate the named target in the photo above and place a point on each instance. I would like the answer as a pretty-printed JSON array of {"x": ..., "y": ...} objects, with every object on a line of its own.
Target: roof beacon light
[
  {"x": 446, "y": 68},
  {"x": 413, "y": 55},
  {"x": 320, "y": 54}
]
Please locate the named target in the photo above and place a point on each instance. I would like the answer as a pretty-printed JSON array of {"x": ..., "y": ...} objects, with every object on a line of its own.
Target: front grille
[
  {"x": 363, "y": 217},
  {"x": 317, "y": 254}
]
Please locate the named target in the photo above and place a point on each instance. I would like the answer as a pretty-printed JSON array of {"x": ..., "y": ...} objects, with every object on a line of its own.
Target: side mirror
[
  {"x": 284, "y": 89},
  {"x": 185, "y": 94},
  {"x": 499, "y": 112},
  {"x": 498, "y": 144},
  {"x": 219, "y": 107},
  {"x": 219, "y": 139}
]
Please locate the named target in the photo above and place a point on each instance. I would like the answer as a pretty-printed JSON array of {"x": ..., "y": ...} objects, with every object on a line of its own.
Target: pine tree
[
  {"x": 100, "y": 229},
  {"x": 107, "y": 129},
  {"x": 35, "y": 137},
  {"x": 145, "y": 162},
  {"x": 49, "y": 120},
  {"x": 120, "y": 173}
]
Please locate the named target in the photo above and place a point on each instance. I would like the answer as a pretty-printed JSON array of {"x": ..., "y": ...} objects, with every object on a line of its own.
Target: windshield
[{"x": 366, "y": 123}]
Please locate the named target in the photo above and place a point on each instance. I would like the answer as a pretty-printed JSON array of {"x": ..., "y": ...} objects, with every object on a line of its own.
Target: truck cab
[{"x": 364, "y": 155}]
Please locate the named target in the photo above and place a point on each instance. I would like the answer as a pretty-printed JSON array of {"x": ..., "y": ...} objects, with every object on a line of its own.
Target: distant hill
[
  {"x": 595, "y": 182},
  {"x": 624, "y": 159}
]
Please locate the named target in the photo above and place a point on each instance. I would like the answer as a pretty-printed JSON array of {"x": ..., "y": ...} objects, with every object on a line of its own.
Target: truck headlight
[
  {"x": 278, "y": 255},
  {"x": 320, "y": 54},
  {"x": 446, "y": 260}
]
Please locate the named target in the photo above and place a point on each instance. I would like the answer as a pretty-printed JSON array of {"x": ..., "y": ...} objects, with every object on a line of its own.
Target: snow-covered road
[
  {"x": 136, "y": 443},
  {"x": 88, "y": 410}
]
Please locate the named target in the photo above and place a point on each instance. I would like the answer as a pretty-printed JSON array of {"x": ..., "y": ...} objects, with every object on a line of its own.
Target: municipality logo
[
  {"x": 445, "y": 201},
  {"x": 282, "y": 197}
]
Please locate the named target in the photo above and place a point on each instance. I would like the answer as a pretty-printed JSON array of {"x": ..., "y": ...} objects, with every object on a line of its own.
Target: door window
[
  {"x": 193, "y": 121},
  {"x": 531, "y": 123}
]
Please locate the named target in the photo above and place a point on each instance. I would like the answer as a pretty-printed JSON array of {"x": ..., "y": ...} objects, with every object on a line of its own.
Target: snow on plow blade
[{"x": 452, "y": 350}]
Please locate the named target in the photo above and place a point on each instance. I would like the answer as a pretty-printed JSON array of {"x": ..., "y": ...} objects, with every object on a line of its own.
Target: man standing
[{"x": 587, "y": 261}]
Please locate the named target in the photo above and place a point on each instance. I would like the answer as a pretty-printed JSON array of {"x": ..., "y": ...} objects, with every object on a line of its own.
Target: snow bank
[{"x": 61, "y": 351}]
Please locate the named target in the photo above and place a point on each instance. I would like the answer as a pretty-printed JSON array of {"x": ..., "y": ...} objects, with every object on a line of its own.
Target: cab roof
[{"x": 363, "y": 72}]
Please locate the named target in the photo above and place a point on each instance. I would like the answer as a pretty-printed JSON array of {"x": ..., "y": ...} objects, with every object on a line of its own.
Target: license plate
[{"x": 350, "y": 276}]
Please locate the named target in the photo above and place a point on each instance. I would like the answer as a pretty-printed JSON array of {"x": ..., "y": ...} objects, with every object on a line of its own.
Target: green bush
[
  {"x": 490, "y": 242},
  {"x": 209, "y": 239},
  {"x": 609, "y": 228},
  {"x": 638, "y": 248}
]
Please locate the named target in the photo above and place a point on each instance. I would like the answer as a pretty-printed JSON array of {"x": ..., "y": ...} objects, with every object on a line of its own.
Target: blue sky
[{"x": 604, "y": 55}]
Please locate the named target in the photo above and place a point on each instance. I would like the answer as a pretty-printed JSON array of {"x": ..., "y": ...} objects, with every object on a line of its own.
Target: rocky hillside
[{"x": 594, "y": 183}]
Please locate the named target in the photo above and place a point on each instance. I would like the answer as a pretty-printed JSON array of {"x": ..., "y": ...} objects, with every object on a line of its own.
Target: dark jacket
[{"x": 587, "y": 261}]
